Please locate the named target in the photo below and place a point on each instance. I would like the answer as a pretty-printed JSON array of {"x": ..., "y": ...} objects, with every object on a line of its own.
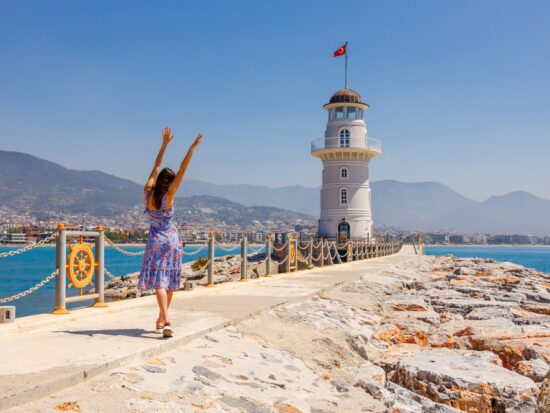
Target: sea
[
  {"x": 20, "y": 272},
  {"x": 536, "y": 257}
]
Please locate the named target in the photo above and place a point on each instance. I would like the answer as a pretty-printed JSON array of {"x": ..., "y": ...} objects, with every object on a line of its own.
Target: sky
[{"x": 459, "y": 91}]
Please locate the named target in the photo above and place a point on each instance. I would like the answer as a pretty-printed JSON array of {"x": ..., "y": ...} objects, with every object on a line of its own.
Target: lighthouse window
[
  {"x": 359, "y": 113},
  {"x": 344, "y": 173},
  {"x": 351, "y": 112},
  {"x": 344, "y": 138},
  {"x": 343, "y": 196},
  {"x": 340, "y": 112}
]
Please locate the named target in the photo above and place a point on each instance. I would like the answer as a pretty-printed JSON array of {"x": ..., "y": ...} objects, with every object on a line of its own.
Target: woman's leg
[
  {"x": 162, "y": 300},
  {"x": 169, "y": 294}
]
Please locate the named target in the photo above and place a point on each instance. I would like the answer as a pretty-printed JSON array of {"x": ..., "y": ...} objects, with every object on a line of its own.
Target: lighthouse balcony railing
[{"x": 369, "y": 144}]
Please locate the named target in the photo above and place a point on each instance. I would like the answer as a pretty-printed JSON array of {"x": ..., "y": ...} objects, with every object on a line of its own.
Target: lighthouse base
[{"x": 350, "y": 226}]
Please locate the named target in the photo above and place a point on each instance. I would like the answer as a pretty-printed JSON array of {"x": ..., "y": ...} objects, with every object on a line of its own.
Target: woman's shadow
[{"x": 129, "y": 332}]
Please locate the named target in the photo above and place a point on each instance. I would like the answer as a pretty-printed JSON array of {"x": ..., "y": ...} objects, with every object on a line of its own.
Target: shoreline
[
  {"x": 486, "y": 245},
  {"x": 189, "y": 244}
]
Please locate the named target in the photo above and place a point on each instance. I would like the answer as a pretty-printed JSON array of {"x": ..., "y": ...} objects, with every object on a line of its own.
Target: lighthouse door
[{"x": 343, "y": 231}]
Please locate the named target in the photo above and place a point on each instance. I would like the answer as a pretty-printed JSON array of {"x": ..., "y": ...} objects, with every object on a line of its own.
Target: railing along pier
[{"x": 77, "y": 263}]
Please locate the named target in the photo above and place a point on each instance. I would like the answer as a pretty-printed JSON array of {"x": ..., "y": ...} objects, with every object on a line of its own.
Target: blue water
[
  {"x": 530, "y": 257},
  {"x": 20, "y": 272}
]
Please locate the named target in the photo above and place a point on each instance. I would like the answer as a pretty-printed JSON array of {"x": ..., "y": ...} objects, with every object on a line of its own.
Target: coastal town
[{"x": 24, "y": 231}]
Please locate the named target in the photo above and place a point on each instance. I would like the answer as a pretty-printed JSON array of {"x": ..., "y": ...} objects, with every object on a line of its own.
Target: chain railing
[
  {"x": 196, "y": 251},
  {"x": 122, "y": 251},
  {"x": 228, "y": 247},
  {"x": 30, "y": 290},
  {"x": 309, "y": 253},
  {"x": 28, "y": 247},
  {"x": 280, "y": 249}
]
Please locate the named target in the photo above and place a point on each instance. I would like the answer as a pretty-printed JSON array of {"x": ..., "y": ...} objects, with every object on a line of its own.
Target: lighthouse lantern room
[{"x": 345, "y": 152}]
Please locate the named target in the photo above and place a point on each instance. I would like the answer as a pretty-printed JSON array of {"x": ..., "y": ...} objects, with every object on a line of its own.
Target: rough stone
[
  {"x": 535, "y": 369},
  {"x": 487, "y": 313},
  {"x": 467, "y": 380},
  {"x": 543, "y": 401}
]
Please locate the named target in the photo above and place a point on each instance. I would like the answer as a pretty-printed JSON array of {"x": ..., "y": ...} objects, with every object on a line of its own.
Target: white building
[{"x": 345, "y": 152}]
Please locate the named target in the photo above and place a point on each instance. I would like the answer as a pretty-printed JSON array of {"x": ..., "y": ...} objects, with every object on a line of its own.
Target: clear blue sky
[{"x": 459, "y": 90}]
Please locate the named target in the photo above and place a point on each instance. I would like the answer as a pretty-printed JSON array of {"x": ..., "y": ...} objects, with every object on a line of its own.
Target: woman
[{"x": 161, "y": 269}]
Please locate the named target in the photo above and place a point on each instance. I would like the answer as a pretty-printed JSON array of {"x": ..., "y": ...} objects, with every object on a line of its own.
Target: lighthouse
[{"x": 346, "y": 151}]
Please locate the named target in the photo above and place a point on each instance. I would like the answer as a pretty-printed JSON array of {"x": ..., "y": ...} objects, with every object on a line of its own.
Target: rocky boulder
[{"x": 473, "y": 381}]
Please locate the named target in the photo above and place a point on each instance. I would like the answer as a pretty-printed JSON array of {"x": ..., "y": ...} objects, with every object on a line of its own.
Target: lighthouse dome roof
[{"x": 346, "y": 96}]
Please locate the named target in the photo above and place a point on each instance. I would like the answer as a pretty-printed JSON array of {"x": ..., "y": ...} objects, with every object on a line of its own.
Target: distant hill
[
  {"x": 416, "y": 205},
  {"x": 37, "y": 186},
  {"x": 215, "y": 210},
  {"x": 34, "y": 185},
  {"x": 514, "y": 213},
  {"x": 421, "y": 206},
  {"x": 294, "y": 198}
]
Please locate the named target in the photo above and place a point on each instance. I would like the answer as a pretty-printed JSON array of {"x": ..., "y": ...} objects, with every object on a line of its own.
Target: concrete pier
[{"x": 45, "y": 353}]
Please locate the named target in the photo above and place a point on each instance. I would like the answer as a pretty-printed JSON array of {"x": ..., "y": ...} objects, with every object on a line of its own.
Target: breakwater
[{"x": 405, "y": 333}]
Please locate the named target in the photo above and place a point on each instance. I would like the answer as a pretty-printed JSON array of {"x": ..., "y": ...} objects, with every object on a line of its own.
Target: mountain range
[
  {"x": 424, "y": 206},
  {"x": 38, "y": 186},
  {"x": 44, "y": 189}
]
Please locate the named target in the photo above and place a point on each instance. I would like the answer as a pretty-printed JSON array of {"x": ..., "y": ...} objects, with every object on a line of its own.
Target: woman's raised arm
[
  {"x": 166, "y": 138},
  {"x": 174, "y": 186}
]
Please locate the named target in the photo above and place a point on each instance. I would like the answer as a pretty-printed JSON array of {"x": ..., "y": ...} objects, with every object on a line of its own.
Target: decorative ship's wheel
[
  {"x": 80, "y": 265},
  {"x": 292, "y": 253}
]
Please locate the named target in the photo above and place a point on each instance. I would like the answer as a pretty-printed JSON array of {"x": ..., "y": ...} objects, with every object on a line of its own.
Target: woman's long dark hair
[{"x": 164, "y": 179}]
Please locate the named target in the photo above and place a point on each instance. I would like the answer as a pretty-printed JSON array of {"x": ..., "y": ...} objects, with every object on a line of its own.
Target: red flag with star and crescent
[{"x": 340, "y": 52}]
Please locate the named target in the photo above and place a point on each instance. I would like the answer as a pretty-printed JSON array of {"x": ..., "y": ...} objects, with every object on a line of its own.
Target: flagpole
[{"x": 346, "y": 69}]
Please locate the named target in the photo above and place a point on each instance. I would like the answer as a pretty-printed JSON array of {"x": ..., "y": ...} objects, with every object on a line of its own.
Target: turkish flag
[{"x": 341, "y": 51}]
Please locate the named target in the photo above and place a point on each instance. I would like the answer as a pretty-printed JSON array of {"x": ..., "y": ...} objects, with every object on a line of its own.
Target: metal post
[
  {"x": 61, "y": 278},
  {"x": 287, "y": 250},
  {"x": 244, "y": 259},
  {"x": 321, "y": 259},
  {"x": 346, "y": 69},
  {"x": 268, "y": 256},
  {"x": 337, "y": 253},
  {"x": 310, "y": 251},
  {"x": 211, "y": 259},
  {"x": 100, "y": 268}
]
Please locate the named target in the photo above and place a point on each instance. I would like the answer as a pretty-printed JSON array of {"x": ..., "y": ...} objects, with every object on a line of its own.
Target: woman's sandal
[
  {"x": 159, "y": 326},
  {"x": 167, "y": 331}
]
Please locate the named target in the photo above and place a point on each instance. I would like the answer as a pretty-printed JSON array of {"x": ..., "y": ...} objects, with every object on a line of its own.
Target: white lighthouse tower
[{"x": 345, "y": 152}]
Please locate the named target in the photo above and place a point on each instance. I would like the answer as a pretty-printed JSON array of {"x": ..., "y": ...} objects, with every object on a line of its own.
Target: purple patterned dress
[{"x": 163, "y": 252}]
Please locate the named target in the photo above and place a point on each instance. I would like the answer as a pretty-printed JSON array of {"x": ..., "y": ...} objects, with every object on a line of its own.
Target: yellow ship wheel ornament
[
  {"x": 80, "y": 265},
  {"x": 292, "y": 253}
]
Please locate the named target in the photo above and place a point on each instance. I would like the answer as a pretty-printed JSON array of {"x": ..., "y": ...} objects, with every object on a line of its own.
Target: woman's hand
[
  {"x": 167, "y": 135},
  {"x": 197, "y": 142}
]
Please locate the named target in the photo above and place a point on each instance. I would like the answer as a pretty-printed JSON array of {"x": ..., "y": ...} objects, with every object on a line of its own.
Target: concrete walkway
[{"x": 46, "y": 353}]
